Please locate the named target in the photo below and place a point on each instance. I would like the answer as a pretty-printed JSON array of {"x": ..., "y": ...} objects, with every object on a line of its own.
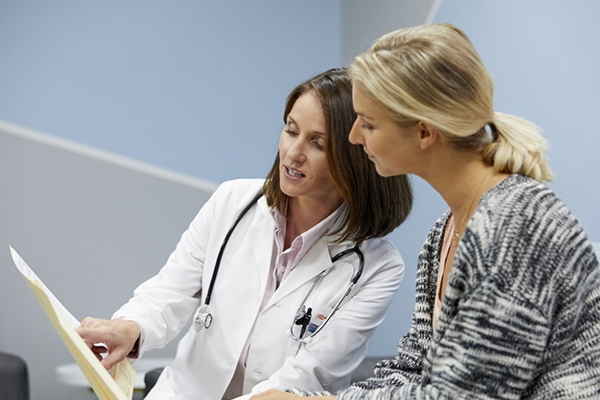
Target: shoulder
[
  {"x": 239, "y": 186},
  {"x": 231, "y": 197},
  {"x": 381, "y": 261},
  {"x": 518, "y": 192},
  {"x": 238, "y": 191},
  {"x": 523, "y": 210},
  {"x": 380, "y": 248},
  {"x": 523, "y": 234}
]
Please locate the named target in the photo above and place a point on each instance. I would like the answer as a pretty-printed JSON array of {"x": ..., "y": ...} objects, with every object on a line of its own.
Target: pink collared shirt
[{"x": 283, "y": 261}]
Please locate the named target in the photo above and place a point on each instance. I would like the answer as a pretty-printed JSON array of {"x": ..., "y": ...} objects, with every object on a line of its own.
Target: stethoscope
[{"x": 203, "y": 318}]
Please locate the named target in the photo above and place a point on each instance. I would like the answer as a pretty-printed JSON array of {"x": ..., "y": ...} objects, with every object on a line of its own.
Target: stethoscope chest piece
[{"x": 202, "y": 319}]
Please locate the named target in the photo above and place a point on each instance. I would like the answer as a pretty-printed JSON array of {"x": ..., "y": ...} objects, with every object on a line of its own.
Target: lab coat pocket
[{"x": 318, "y": 318}]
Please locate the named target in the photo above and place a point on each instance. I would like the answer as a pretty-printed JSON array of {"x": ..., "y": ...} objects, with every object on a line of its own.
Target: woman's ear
[{"x": 427, "y": 135}]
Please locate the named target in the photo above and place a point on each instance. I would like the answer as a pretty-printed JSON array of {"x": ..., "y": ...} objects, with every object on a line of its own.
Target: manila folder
[{"x": 116, "y": 384}]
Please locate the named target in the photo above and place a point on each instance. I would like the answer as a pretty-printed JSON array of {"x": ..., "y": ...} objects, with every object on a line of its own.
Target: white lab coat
[{"x": 206, "y": 360}]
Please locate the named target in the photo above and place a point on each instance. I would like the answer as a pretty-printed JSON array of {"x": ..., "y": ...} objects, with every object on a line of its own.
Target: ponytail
[
  {"x": 432, "y": 73},
  {"x": 517, "y": 147}
]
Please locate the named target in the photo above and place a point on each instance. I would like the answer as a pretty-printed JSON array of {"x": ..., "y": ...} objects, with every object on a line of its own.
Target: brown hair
[{"x": 375, "y": 205}]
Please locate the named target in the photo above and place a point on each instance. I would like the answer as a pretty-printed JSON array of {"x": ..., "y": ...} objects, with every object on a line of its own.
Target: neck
[
  {"x": 464, "y": 198},
  {"x": 461, "y": 182},
  {"x": 302, "y": 215}
]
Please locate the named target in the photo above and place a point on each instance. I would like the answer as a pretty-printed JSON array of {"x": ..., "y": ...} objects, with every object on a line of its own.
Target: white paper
[{"x": 31, "y": 276}]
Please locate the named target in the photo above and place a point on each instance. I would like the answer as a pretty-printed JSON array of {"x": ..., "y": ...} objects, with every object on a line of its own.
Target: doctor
[{"x": 288, "y": 301}]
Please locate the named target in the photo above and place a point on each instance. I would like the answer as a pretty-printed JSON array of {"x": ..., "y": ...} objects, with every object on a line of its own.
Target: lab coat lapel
[
  {"x": 261, "y": 236},
  {"x": 313, "y": 263}
]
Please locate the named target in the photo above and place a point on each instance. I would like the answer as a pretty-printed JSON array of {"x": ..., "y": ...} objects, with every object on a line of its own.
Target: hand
[
  {"x": 115, "y": 337},
  {"x": 274, "y": 394}
]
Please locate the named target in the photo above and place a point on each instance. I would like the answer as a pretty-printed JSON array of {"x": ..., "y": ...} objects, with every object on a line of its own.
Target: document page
[{"x": 116, "y": 384}]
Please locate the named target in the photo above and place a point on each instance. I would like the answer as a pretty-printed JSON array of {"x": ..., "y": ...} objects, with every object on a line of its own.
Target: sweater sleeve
[{"x": 467, "y": 365}]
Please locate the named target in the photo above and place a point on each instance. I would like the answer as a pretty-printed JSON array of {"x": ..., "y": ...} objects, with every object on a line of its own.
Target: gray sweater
[{"x": 521, "y": 314}]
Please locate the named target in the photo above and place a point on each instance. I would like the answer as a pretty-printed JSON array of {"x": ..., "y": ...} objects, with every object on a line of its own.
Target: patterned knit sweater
[{"x": 521, "y": 314}]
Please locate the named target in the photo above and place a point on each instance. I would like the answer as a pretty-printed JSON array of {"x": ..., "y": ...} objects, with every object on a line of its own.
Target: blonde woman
[{"x": 508, "y": 285}]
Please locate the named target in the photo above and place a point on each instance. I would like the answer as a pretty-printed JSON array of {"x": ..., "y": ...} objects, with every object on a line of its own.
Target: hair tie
[{"x": 492, "y": 131}]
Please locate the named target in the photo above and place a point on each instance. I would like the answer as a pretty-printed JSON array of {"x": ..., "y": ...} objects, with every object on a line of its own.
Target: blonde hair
[{"x": 432, "y": 73}]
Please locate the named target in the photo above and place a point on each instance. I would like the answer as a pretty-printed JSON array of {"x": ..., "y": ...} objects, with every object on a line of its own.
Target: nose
[
  {"x": 355, "y": 135},
  {"x": 296, "y": 151}
]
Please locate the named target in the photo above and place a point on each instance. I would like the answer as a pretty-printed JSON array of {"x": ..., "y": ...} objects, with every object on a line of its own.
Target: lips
[{"x": 294, "y": 173}]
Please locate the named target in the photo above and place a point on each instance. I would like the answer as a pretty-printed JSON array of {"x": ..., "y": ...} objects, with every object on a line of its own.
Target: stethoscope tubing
[
  {"x": 203, "y": 318},
  {"x": 355, "y": 277},
  {"x": 361, "y": 261},
  {"x": 224, "y": 244}
]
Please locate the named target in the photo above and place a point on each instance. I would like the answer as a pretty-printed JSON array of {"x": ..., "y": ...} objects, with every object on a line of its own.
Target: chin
[
  {"x": 384, "y": 173},
  {"x": 387, "y": 172},
  {"x": 286, "y": 190}
]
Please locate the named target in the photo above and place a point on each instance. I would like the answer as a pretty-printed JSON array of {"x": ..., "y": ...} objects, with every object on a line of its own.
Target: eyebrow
[
  {"x": 364, "y": 116},
  {"x": 314, "y": 133}
]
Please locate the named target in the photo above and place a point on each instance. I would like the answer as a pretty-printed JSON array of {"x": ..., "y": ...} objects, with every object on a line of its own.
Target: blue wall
[
  {"x": 544, "y": 56},
  {"x": 194, "y": 86}
]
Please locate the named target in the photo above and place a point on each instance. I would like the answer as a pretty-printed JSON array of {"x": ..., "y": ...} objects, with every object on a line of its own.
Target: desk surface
[{"x": 71, "y": 375}]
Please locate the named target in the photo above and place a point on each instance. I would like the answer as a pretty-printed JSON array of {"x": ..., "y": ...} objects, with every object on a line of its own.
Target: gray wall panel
[{"x": 91, "y": 228}]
